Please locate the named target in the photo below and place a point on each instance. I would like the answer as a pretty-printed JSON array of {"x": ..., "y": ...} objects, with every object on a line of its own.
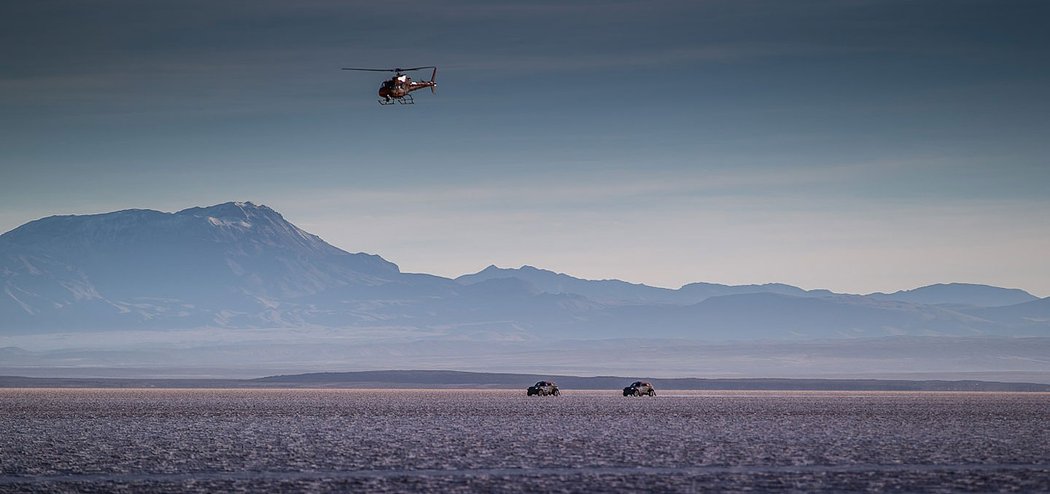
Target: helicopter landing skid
[{"x": 404, "y": 100}]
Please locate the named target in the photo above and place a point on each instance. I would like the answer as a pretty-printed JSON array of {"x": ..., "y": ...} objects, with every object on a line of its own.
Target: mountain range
[
  {"x": 243, "y": 266},
  {"x": 437, "y": 379}
]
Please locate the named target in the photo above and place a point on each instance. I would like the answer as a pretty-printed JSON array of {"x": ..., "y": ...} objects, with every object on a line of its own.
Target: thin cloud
[{"x": 610, "y": 184}]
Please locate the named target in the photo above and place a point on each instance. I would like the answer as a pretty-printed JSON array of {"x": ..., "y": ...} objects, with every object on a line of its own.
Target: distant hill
[
  {"x": 603, "y": 291},
  {"x": 764, "y": 316},
  {"x": 621, "y": 292},
  {"x": 456, "y": 379},
  {"x": 1036, "y": 312},
  {"x": 959, "y": 294},
  {"x": 438, "y": 379}
]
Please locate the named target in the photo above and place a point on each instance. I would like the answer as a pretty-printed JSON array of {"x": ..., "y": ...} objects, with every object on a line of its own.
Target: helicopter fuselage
[{"x": 400, "y": 85}]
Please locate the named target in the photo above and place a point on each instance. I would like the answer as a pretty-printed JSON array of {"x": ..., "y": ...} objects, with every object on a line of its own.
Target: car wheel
[
  {"x": 652, "y": 392},
  {"x": 556, "y": 393}
]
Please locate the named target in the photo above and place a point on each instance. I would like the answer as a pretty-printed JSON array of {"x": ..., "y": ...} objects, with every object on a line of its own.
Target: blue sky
[{"x": 852, "y": 145}]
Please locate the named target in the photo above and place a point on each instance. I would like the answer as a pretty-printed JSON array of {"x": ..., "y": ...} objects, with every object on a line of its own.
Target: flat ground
[{"x": 145, "y": 440}]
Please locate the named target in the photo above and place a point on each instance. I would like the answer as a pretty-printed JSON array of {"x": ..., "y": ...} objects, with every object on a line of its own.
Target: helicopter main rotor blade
[
  {"x": 371, "y": 70},
  {"x": 395, "y": 69}
]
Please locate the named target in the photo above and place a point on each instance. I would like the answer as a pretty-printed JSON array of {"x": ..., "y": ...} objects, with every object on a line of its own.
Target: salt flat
[{"x": 146, "y": 440}]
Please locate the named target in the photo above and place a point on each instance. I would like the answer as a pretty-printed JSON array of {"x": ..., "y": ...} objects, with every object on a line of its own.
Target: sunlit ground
[{"x": 151, "y": 440}]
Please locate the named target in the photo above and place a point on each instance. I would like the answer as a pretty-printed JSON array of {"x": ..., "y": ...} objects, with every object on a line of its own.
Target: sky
[{"x": 852, "y": 145}]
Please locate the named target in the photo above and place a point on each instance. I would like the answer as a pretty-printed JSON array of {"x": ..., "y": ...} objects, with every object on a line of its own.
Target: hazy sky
[{"x": 852, "y": 145}]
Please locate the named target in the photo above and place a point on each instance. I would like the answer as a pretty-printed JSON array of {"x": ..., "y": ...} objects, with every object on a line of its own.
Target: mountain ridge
[
  {"x": 238, "y": 255},
  {"x": 242, "y": 265},
  {"x": 618, "y": 291},
  {"x": 959, "y": 294}
]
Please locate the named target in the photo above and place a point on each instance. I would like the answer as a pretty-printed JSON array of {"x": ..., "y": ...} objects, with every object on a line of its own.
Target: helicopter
[{"x": 400, "y": 87}]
